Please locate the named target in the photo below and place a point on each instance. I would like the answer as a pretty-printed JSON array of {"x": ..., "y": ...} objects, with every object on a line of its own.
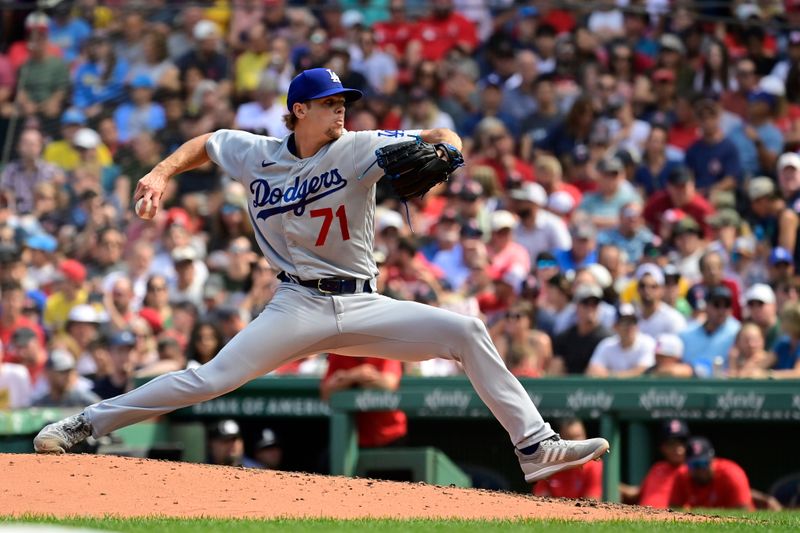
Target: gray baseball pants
[{"x": 300, "y": 321}]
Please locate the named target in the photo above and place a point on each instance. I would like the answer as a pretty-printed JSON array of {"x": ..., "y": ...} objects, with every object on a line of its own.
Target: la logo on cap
[{"x": 334, "y": 77}]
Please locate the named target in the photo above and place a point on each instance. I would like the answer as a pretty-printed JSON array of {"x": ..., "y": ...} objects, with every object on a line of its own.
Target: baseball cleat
[
  {"x": 59, "y": 437},
  {"x": 555, "y": 454}
]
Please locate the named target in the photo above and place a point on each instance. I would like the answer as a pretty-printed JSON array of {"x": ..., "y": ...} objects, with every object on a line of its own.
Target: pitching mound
[{"x": 90, "y": 485}]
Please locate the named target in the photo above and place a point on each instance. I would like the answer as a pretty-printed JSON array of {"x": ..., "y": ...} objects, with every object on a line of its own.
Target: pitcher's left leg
[{"x": 412, "y": 332}]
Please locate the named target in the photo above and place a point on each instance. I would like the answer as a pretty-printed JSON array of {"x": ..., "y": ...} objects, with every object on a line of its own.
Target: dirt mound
[{"x": 89, "y": 485}]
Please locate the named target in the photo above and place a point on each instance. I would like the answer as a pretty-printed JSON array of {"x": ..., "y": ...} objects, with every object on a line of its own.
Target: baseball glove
[{"x": 414, "y": 167}]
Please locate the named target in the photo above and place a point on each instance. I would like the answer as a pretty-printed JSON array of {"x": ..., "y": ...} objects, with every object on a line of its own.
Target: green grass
[{"x": 740, "y": 522}]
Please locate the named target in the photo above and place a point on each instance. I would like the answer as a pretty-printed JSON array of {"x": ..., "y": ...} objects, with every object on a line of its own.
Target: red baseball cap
[{"x": 73, "y": 270}]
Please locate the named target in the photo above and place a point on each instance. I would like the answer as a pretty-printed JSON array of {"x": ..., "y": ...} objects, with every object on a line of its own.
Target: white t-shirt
[
  {"x": 15, "y": 386},
  {"x": 666, "y": 319},
  {"x": 610, "y": 354},
  {"x": 549, "y": 233},
  {"x": 252, "y": 117}
]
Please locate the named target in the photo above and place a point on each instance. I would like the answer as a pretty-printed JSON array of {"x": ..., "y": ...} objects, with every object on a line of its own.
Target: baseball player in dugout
[{"x": 311, "y": 200}]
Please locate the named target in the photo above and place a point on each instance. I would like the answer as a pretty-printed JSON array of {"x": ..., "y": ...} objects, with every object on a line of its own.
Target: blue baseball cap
[
  {"x": 142, "y": 81},
  {"x": 318, "y": 83},
  {"x": 73, "y": 116},
  {"x": 43, "y": 242},
  {"x": 780, "y": 255}
]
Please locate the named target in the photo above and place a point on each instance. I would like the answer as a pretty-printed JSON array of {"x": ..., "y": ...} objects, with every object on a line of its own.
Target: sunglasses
[
  {"x": 515, "y": 316},
  {"x": 591, "y": 302},
  {"x": 720, "y": 304},
  {"x": 648, "y": 286},
  {"x": 755, "y": 303}
]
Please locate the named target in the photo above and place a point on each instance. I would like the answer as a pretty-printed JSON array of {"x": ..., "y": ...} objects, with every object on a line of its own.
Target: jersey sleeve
[
  {"x": 229, "y": 149},
  {"x": 364, "y": 146}
]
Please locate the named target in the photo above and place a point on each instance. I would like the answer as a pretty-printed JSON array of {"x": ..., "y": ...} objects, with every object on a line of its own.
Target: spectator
[
  {"x": 656, "y": 317},
  {"x": 63, "y": 385},
  {"x": 613, "y": 192},
  {"x": 709, "y": 342},
  {"x": 141, "y": 114},
  {"x": 81, "y": 331},
  {"x": 205, "y": 341},
  {"x": 690, "y": 248},
  {"x": 170, "y": 358},
  {"x": 37, "y": 28},
  {"x": 573, "y": 131},
  {"x": 443, "y": 30},
  {"x": 12, "y": 302},
  {"x": 574, "y": 348},
  {"x": 787, "y": 347},
  {"x": 715, "y": 77},
  {"x": 72, "y": 292},
  {"x": 770, "y": 220},
  {"x": 64, "y": 153},
  {"x": 226, "y": 446},
  {"x": 43, "y": 79},
  {"x": 519, "y": 344},
  {"x": 100, "y": 80},
  {"x": 205, "y": 58},
  {"x": 630, "y": 235},
  {"x": 708, "y": 481},
  {"x": 656, "y": 487},
  {"x": 393, "y": 35},
  {"x": 758, "y": 140},
  {"x": 735, "y": 99},
  {"x": 748, "y": 357},
  {"x": 375, "y": 429},
  {"x": 505, "y": 255},
  {"x": 267, "y": 451},
  {"x": 265, "y": 113},
  {"x": 68, "y": 32},
  {"x": 15, "y": 386},
  {"x": 628, "y": 353},
  {"x": 157, "y": 298},
  {"x": 536, "y": 125},
  {"x": 423, "y": 113},
  {"x": 781, "y": 265},
  {"x": 583, "y": 251},
  {"x": 250, "y": 64},
  {"x": 119, "y": 378},
  {"x": 20, "y": 177},
  {"x": 652, "y": 173},
  {"x": 669, "y": 358},
  {"x": 760, "y": 306},
  {"x": 539, "y": 230},
  {"x": 377, "y": 66},
  {"x": 490, "y": 106},
  {"x": 582, "y": 482},
  {"x": 713, "y": 159},
  {"x": 154, "y": 63},
  {"x": 189, "y": 282},
  {"x": 712, "y": 270}
]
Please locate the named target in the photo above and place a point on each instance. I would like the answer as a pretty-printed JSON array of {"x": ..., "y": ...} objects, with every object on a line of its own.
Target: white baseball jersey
[{"x": 313, "y": 217}]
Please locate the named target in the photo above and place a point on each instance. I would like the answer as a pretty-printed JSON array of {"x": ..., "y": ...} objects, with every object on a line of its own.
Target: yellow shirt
[
  {"x": 630, "y": 294},
  {"x": 64, "y": 155},
  {"x": 249, "y": 67},
  {"x": 57, "y": 308}
]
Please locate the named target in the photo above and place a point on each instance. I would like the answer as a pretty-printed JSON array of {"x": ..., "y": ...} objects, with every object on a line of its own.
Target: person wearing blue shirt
[
  {"x": 583, "y": 252},
  {"x": 631, "y": 236},
  {"x": 713, "y": 159},
  {"x": 787, "y": 347},
  {"x": 758, "y": 140},
  {"x": 713, "y": 338},
  {"x": 101, "y": 80},
  {"x": 68, "y": 32},
  {"x": 613, "y": 193},
  {"x": 651, "y": 174},
  {"x": 141, "y": 114}
]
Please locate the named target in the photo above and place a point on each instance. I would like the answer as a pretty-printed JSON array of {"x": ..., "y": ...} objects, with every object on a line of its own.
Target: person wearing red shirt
[
  {"x": 444, "y": 30},
  {"x": 549, "y": 174},
  {"x": 656, "y": 486},
  {"x": 586, "y": 481},
  {"x": 12, "y": 318},
  {"x": 392, "y": 35},
  {"x": 499, "y": 155},
  {"x": 682, "y": 194},
  {"x": 375, "y": 428},
  {"x": 36, "y": 26},
  {"x": 710, "y": 482}
]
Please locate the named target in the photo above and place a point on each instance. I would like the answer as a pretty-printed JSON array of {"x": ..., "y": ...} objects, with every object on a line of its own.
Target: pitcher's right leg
[{"x": 293, "y": 323}]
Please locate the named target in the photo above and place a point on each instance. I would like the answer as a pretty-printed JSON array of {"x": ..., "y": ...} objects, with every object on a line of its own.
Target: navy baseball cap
[{"x": 318, "y": 83}]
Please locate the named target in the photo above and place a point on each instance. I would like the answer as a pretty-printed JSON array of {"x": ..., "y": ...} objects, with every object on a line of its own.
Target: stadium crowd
[{"x": 629, "y": 205}]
